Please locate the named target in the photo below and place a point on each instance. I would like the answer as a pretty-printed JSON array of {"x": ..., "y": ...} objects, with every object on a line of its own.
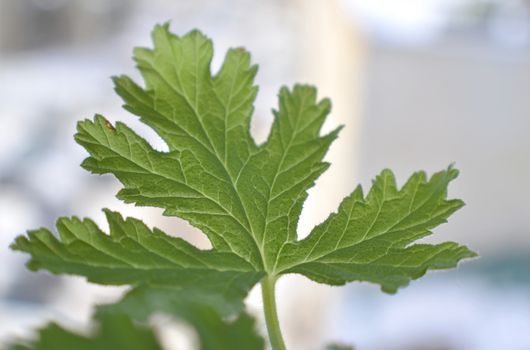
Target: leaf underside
[{"x": 247, "y": 198}]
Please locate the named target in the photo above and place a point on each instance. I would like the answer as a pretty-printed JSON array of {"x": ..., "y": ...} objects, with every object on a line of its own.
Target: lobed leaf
[
  {"x": 369, "y": 238},
  {"x": 133, "y": 254},
  {"x": 246, "y": 198}
]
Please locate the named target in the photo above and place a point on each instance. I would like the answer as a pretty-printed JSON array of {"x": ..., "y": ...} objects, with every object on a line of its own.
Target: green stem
[{"x": 271, "y": 316}]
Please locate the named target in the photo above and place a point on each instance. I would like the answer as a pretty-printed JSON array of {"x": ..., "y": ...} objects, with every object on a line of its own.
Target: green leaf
[
  {"x": 369, "y": 238},
  {"x": 245, "y": 197},
  {"x": 144, "y": 300},
  {"x": 114, "y": 332},
  {"x": 216, "y": 334},
  {"x": 201, "y": 311},
  {"x": 171, "y": 276},
  {"x": 134, "y": 254}
]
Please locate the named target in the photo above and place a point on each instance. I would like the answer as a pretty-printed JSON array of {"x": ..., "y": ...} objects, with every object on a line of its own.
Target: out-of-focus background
[{"x": 419, "y": 84}]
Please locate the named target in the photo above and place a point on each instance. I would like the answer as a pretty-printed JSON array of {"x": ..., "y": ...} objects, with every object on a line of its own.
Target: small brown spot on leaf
[{"x": 109, "y": 125}]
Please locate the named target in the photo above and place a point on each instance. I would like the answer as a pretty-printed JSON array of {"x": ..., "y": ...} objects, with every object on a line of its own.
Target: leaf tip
[
  {"x": 33, "y": 265},
  {"x": 162, "y": 27},
  {"x": 452, "y": 172},
  {"x": 392, "y": 290},
  {"x": 19, "y": 243}
]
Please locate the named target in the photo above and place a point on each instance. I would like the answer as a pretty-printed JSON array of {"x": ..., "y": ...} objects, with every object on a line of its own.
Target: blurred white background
[{"x": 419, "y": 84}]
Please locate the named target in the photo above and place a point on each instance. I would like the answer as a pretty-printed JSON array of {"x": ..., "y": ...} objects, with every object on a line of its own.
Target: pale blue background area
[{"x": 443, "y": 81}]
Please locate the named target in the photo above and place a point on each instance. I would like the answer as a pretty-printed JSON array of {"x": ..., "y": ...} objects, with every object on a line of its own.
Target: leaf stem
[{"x": 268, "y": 284}]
